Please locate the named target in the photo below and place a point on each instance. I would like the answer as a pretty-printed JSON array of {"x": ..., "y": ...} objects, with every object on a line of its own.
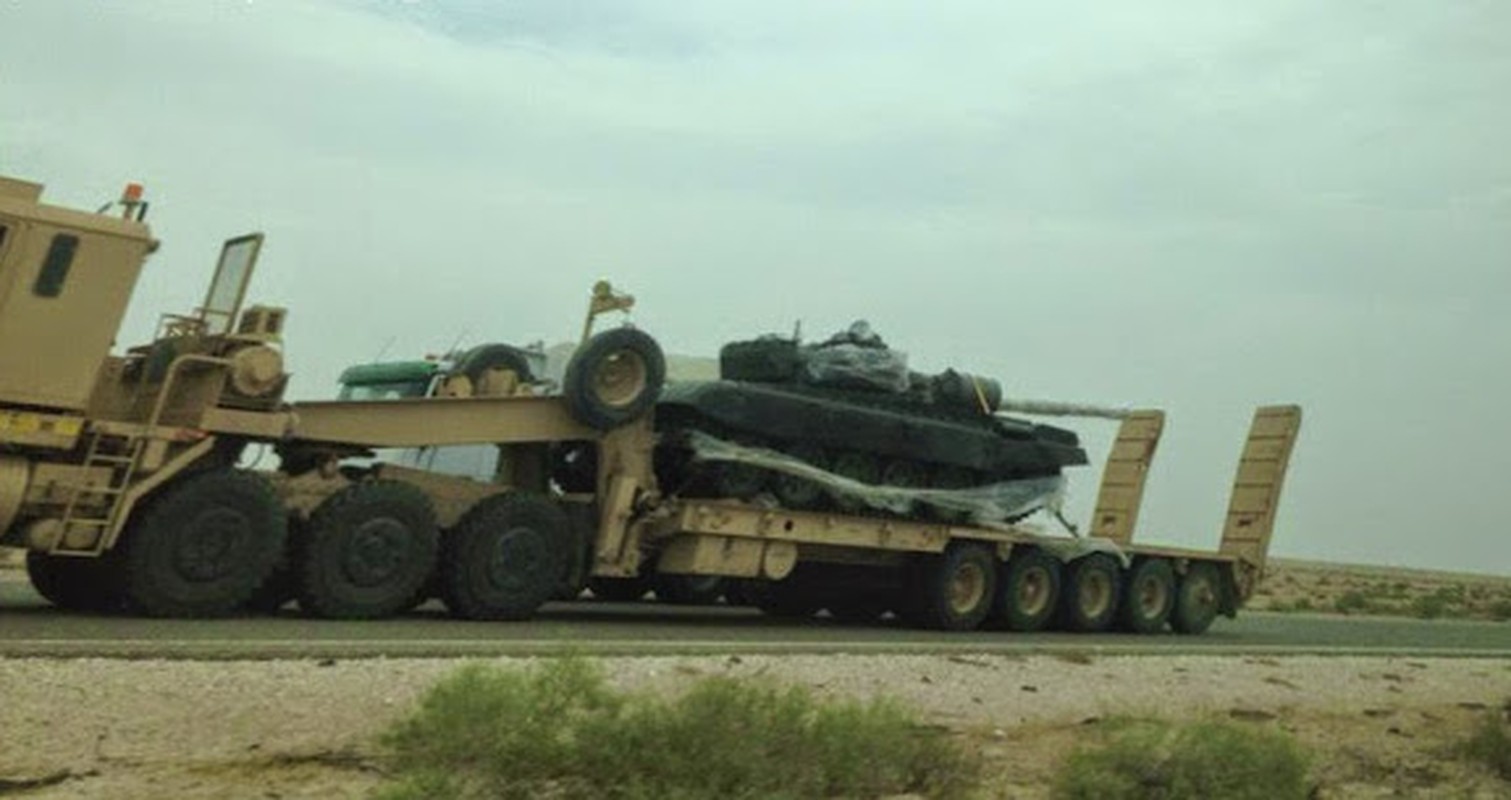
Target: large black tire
[
  {"x": 73, "y": 583},
  {"x": 484, "y": 357},
  {"x": 620, "y": 590},
  {"x": 367, "y": 551},
  {"x": 504, "y": 559},
  {"x": 954, "y": 591},
  {"x": 204, "y": 545},
  {"x": 614, "y": 378},
  {"x": 1089, "y": 602},
  {"x": 1148, "y": 596},
  {"x": 1028, "y": 591},
  {"x": 1198, "y": 599},
  {"x": 689, "y": 590}
]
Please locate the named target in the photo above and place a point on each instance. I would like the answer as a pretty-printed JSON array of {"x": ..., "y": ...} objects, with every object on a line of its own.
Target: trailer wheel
[
  {"x": 955, "y": 589},
  {"x": 1148, "y": 597},
  {"x": 1196, "y": 600},
  {"x": 367, "y": 552},
  {"x": 614, "y": 378},
  {"x": 504, "y": 559},
  {"x": 1090, "y": 600},
  {"x": 73, "y": 583},
  {"x": 1029, "y": 592},
  {"x": 620, "y": 590},
  {"x": 204, "y": 546},
  {"x": 689, "y": 590}
]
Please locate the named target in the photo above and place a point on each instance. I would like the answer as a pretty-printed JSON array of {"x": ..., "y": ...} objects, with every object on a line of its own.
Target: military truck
[{"x": 121, "y": 475}]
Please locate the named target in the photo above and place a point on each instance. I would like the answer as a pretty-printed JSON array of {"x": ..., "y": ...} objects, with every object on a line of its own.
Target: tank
[{"x": 848, "y": 406}]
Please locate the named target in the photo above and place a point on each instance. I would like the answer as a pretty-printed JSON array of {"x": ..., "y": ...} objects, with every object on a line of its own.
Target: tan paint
[
  {"x": 1123, "y": 477},
  {"x": 1256, "y": 491},
  {"x": 15, "y": 474}
]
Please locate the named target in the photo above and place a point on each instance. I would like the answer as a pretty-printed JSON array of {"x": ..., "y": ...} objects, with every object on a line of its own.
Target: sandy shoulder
[{"x": 122, "y": 729}]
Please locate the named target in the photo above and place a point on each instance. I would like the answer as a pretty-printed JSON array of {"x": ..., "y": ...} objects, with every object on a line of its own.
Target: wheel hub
[
  {"x": 517, "y": 553},
  {"x": 1095, "y": 594},
  {"x": 967, "y": 588},
  {"x": 1033, "y": 592},
  {"x": 208, "y": 546},
  {"x": 375, "y": 551},
  {"x": 620, "y": 378}
]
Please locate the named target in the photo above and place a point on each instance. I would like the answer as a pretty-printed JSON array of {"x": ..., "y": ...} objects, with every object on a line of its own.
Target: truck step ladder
[{"x": 122, "y": 468}]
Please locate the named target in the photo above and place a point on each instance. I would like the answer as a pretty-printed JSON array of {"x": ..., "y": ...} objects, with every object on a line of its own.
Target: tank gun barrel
[{"x": 1055, "y": 408}]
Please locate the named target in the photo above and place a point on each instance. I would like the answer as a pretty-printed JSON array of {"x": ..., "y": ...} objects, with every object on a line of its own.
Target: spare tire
[
  {"x": 614, "y": 378},
  {"x": 484, "y": 357}
]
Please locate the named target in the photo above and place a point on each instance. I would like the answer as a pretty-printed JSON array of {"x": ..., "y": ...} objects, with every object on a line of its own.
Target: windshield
[{"x": 396, "y": 390}]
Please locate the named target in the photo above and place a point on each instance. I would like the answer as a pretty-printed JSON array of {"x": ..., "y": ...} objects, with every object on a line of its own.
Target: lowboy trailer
[{"x": 120, "y": 476}]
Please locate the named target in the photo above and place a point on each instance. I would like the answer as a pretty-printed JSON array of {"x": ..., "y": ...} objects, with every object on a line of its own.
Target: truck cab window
[{"x": 55, "y": 267}]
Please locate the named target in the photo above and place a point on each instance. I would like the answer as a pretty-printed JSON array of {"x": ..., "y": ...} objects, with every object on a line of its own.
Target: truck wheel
[
  {"x": 1196, "y": 600},
  {"x": 367, "y": 551},
  {"x": 956, "y": 588},
  {"x": 614, "y": 378},
  {"x": 74, "y": 583},
  {"x": 689, "y": 590},
  {"x": 1090, "y": 600},
  {"x": 620, "y": 590},
  {"x": 503, "y": 560},
  {"x": 204, "y": 545},
  {"x": 1148, "y": 597},
  {"x": 1029, "y": 591}
]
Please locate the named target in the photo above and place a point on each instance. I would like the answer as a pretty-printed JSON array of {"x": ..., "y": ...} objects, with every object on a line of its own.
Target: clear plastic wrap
[{"x": 991, "y": 505}]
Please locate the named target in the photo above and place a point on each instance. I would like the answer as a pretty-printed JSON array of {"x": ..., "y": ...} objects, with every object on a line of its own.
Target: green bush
[
  {"x": 1147, "y": 759},
  {"x": 1491, "y": 745},
  {"x": 1351, "y": 601},
  {"x": 558, "y": 730},
  {"x": 1501, "y": 610},
  {"x": 1430, "y": 606}
]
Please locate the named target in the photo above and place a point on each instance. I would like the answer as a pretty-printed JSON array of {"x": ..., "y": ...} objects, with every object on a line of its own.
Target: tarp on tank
[
  {"x": 991, "y": 505},
  {"x": 856, "y": 358}
]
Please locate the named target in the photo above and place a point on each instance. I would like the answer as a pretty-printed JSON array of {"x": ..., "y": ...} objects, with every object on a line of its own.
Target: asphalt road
[{"x": 30, "y": 627}]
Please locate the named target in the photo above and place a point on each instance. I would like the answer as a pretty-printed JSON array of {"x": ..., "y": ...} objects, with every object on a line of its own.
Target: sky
[{"x": 1192, "y": 206}]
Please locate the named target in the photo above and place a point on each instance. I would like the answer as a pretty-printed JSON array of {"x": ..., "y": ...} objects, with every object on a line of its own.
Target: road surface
[{"x": 30, "y": 627}]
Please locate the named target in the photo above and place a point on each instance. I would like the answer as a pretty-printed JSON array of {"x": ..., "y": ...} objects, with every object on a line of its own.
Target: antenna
[
  {"x": 457, "y": 343},
  {"x": 383, "y": 351}
]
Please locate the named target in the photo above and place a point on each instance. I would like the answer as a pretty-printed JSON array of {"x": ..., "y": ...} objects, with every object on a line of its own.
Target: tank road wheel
[
  {"x": 1090, "y": 600},
  {"x": 859, "y": 467},
  {"x": 367, "y": 551},
  {"x": 795, "y": 492},
  {"x": 1148, "y": 596},
  {"x": 204, "y": 546},
  {"x": 1197, "y": 599},
  {"x": 955, "y": 589},
  {"x": 620, "y": 590},
  {"x": 614, "y": 378},
  {"x": 73, "y": 583},
  {"x": 689, "y": 590},
  {"x": 504, "y": 559},
  {"x": 1029, "y": 591}
]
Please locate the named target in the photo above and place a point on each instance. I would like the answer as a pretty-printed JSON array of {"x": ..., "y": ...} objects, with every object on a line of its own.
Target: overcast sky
[{"x": 1196, "y": 206}]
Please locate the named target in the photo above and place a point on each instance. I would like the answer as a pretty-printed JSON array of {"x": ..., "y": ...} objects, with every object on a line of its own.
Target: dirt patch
[
  {"x": 1318, "y": 587},
  {"x": 95, "y": 728}
]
